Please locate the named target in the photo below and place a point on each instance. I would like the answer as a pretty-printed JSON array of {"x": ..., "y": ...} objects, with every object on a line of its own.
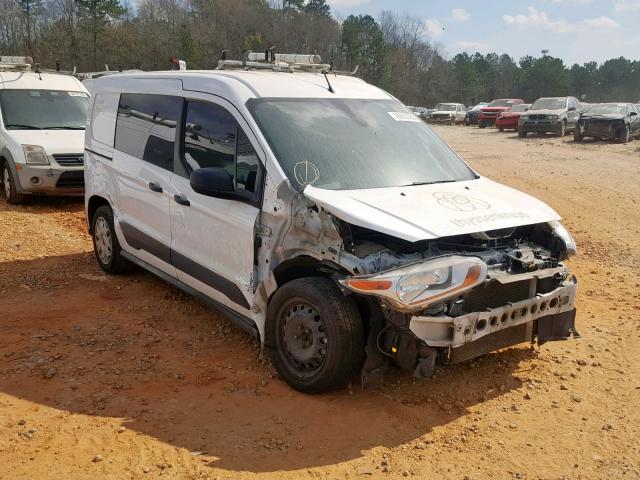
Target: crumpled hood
[
  {"x": 424, "y": 212},
  {"x": 603, "y": 116},
  {"x": 53, "y": 141}
]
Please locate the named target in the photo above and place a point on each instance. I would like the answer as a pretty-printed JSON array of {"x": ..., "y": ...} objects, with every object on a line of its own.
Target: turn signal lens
[{"x": 369, "y": 285}]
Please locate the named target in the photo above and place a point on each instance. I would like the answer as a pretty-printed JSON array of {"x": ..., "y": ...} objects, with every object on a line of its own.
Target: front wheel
[
  {"x": 563, "y": 129},
  {"x": 9, "y": 191},
  {"x": 316, "y": 334},
  {"x": 625, "y": 135},
  {"x": 105, "y": 243},
  {"x": 500, "y": 129},
  {"x": 577, "y": 135},
  {"x": 522, "y": 133}
]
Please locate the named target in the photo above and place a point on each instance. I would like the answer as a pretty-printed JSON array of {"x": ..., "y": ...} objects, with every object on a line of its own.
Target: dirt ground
[{"x": 125, "y": 377}]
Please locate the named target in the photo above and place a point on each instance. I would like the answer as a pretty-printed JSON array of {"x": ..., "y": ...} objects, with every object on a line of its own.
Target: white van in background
[{"x": 42, "y": 123}]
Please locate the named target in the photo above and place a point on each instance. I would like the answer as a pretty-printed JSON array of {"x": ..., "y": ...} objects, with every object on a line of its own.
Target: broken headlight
[
  {"x": 559, "y": 231},
  {"x": 417, "y": 286}
]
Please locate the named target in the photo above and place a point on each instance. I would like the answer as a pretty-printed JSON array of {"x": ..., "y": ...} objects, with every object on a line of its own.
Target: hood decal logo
[{"x": 460, "y": 203}]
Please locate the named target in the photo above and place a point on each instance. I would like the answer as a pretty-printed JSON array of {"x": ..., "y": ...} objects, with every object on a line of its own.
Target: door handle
[
  {"x": 182, "y": 200},
  {"x": 155, "y": 187}
]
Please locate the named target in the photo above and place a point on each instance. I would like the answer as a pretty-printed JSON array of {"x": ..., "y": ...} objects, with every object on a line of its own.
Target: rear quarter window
[{"x": 103, "y": 118}]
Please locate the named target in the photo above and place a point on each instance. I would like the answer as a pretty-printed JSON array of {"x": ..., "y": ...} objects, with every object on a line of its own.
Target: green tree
[
  {"x": 363, "y": 43},
  {"x": 318, "y": 7},
  {"x": 98, "y": 14}
]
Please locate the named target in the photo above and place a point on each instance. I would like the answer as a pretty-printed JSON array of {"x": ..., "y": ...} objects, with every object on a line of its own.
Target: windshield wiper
[
  {"x": 68, "y": 127},
  {"x": 428, "y": 183},
  {"x": 23, "y": 127}
]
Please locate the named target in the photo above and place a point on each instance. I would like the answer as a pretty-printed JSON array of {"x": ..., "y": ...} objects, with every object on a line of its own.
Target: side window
[
  {"x": 213, "y": 138},
  {"x": 146, "y": 127}
]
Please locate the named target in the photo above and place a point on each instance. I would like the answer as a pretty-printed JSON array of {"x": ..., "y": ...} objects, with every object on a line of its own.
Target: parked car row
[
  {"x": 343, "y": 258},
  {"x": 557, "y": 115}
]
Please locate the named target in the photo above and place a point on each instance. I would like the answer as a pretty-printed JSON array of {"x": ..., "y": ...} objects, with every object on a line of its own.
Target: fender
[{"x": 8, "y": 156}]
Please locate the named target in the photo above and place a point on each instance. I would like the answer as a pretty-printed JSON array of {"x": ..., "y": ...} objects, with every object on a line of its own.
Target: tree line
[{"x": 391, "y": 51}]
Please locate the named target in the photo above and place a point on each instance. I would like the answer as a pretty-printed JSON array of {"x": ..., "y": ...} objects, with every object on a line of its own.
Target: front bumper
[
  {"x": 506, "y": 123},
  {"x": 548, "y": 316},
  {"x": 542, "y": 126},
  {"x": 50, "y": 180}
]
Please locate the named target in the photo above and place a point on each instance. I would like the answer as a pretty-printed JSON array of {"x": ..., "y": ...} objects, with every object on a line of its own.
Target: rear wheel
[
  {"x": 481, "y": 125},
  {"x": 105, "y": 243},
  {"x": 9, "y": 191},
  {"x": 317, "y": 335}
]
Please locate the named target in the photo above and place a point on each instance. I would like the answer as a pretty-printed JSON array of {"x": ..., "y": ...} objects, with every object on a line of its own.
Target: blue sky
[{"x": 574, "y": 30}]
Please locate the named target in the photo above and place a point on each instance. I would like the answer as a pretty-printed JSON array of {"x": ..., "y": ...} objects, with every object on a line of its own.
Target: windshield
[
  {"x": 501, "y": 103},
  {"x": 519, "y": 108},
  {"x": 344, "y": 144},
  {"x": 549, "y": 104},
  {"x": 43, "y": 109},
  {"x": 605, "y": 108},
  {"x": 446, "y": 107}
]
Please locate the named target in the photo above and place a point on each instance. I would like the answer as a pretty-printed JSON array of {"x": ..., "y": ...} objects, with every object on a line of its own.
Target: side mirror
[
  {"x": 572, "y": 109},
  {"x": 212, "y": 181},
  {"x": 633, "y": 113}
]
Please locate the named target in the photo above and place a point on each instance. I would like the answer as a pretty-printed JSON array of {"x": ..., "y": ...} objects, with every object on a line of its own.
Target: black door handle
[
  {"x": 155, "y": 187},
  {"x": 182, "y": 200}
]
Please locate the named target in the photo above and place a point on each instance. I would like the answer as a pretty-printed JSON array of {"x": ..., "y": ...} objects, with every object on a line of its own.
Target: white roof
[
  {"x": 39, "y": 81},
  {"x": 257, "y": 83}
]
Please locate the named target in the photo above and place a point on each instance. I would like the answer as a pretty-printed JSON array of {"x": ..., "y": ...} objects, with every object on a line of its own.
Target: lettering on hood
[{"x": 460, "y": 203}]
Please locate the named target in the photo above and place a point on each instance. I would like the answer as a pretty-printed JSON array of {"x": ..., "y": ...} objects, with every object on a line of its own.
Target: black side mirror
[
  {"x": 633, "y": 113},
  {"x": 572, "y": 109},
  {"x": 212, "y": 181}
]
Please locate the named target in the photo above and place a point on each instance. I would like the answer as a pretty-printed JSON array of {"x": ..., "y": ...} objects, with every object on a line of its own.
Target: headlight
[
  {"x": 560, "y": 231},
  {"x": 35, "y": 155},
  {"x": 524, "y": 117},
  {"x": 416, "y": 286}
]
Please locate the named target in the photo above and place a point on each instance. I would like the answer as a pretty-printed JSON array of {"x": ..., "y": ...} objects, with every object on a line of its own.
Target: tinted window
[
  {"x": 146, "y": 127},
  {"x": 213, "y": 138}
]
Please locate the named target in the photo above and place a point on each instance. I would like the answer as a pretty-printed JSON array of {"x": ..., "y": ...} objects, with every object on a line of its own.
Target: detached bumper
[
  {"x": 549, "y": 316},
  {"x": 50, "y": 180}
]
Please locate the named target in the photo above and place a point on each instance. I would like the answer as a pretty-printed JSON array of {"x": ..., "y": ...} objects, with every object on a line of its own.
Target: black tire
[
  {"x": 331, "y": 350},
  {"x": 481, "y": 125},
  {"x": 563, "y": 129},
  {"x": 104, "y": 236},
  {"x": 8, "y": 190},
  {"x": 522, "y": 133},
  {"x": 577, "y": 135},
  {"x": 500, "y": 129},
  {"x": 625, "y": 134}
]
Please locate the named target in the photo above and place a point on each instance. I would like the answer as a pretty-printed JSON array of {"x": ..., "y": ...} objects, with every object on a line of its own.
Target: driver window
[{"x": 213, "y": 138}]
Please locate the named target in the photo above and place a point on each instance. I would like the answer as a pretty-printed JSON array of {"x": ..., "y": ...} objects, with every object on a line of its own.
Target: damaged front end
[{"x": 452, "y": 299}]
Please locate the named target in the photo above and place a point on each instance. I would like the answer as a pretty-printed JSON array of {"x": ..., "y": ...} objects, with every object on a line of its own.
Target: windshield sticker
[
  {"x": 77, "y": 94},
  {"x": 34, "y": 94},
  {"x": 306, "y": 173},
  {"x": 404, "y": 117}
]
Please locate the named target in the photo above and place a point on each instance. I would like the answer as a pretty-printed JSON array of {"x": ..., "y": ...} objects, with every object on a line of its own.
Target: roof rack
[
  {"x": 15, "y": 63},
  {"x": 279, "y": 62}
]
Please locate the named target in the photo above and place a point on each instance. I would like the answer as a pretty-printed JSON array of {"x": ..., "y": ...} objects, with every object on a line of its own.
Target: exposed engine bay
[{"x": 526, "y": 293}]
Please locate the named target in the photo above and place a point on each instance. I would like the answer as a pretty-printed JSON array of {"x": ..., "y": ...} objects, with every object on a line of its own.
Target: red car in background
[
  {"x": 509, "y": 120},
  {"x": 489, "y": 114}
]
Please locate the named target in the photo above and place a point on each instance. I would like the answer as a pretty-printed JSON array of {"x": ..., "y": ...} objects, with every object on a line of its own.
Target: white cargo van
[
  {"x": 321, "y": 215},
  {"x": 42, "y": 123}
]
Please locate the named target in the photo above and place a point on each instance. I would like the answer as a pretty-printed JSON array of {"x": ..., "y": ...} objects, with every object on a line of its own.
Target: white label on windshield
[
  {"x": 34, "y": 94},
  {"x": 404, "y": 117},
  {"x": 77, "y": 94}
]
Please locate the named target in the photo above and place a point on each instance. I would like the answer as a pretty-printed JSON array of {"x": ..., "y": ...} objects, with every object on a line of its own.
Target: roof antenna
[{"x": 324, "y": 72}]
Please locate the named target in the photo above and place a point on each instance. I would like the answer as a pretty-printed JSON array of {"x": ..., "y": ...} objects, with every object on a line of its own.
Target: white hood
[
  {"x": 53, "y": 141},
  {"x": 424, "y": 212}
]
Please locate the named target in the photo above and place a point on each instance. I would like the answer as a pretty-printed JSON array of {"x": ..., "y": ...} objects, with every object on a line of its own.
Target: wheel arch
[{"x": 95, "y": 202}]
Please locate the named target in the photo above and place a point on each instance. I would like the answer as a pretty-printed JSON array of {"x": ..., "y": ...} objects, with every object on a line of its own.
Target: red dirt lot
[{"x": 127, "y": 378}]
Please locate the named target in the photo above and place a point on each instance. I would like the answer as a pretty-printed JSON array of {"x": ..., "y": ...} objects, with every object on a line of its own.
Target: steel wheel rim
[
  {"x": 103, "y": 241},
  {"x": 304, "y": 337},
  {"x": 6, "y": 183}
]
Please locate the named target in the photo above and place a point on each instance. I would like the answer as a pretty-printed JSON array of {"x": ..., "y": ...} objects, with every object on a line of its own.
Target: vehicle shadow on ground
[
  {"x": 132, "y": 347},
  {"x": 44, "y": 204}
]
